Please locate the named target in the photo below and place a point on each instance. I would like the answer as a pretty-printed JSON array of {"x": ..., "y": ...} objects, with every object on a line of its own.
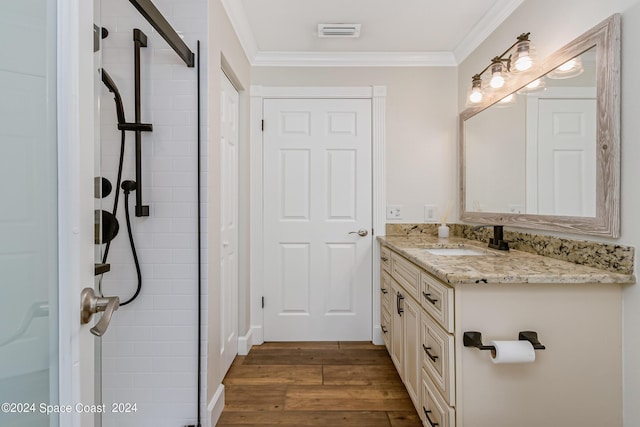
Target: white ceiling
[{"x": 394, "y": 32}]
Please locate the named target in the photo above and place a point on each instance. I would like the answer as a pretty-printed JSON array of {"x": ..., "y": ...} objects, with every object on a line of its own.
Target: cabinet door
[
  {"x": 385, "y": 325},
  {"x": 435, "y": 412},
  {"x": 412, "y": 359},
  {"x": 397, "y": 327},
  {"x": 438, "y": 357},
  {"x": 386, "y": 296}
]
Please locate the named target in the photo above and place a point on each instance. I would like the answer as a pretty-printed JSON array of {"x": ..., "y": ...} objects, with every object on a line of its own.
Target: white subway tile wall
[{"x": 149, "y": 353}]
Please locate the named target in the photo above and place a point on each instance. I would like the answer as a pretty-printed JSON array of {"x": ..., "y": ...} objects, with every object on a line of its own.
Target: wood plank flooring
[{"x": 319, "y": 384}]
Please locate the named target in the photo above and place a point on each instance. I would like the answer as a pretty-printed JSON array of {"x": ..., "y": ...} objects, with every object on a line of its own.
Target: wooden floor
[{"x": 316, "y": 384}]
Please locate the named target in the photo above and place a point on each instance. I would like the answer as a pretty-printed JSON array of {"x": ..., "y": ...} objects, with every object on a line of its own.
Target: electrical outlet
[
  {"x": 394, "y": 211},
  {"x": 430, "y": 213}
]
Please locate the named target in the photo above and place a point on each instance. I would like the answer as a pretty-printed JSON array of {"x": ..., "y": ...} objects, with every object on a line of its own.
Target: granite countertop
[{"x": 496, "y": 266}]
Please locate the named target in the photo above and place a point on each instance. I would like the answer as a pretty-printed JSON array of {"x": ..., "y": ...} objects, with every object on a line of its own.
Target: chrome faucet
[{"x": 497, "y": 242}]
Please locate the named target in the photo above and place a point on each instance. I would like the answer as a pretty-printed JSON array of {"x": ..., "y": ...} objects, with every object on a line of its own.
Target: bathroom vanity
[{"x": 429, "y": 299}]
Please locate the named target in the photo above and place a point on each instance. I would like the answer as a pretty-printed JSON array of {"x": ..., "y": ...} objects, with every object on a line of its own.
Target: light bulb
[
  {"x": 475, "y": 96},
  {"x": 507, "y": 99},
  {"x": 534, "y": 84},
  {"x": 569, "y": 65},
  {"x": 523, "y": 63},
  {"x": 497, "y": 81},
  {"x": 497, "y": 78}
]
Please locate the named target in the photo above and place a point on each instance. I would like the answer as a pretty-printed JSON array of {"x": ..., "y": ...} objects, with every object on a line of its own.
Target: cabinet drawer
[
  {"x": 385, "y": 325},
  {"x": 437, "y": 299},
  {"x": 406, "y": 274},
  {"x": 435, "y": 411},
  {"x": 438, "y": 357},
  {"x": 385, "y": 258},
  {"x": 385, "y": 290}
]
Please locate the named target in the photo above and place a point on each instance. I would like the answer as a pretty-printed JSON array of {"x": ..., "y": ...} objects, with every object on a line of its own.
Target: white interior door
[
  {"x": 317, "y": 196},
  {"x": 46, "y": 214},
  {"x": 229, "y": 221},
  {"x": 566, "y": 157},
  {"x": 560, "y": 152}
]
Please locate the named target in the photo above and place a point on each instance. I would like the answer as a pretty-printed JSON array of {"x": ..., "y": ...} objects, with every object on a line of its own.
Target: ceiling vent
[{"x": 339, "y": 30}]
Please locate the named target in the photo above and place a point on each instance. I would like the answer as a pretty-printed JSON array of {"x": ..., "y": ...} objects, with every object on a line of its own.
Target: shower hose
[{"x": 127, "y": 187}]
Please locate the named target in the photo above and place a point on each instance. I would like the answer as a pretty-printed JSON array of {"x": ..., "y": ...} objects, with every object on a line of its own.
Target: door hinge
[
  {"x": 262, "y": 302},
  {"x": 262, "y": 125}
]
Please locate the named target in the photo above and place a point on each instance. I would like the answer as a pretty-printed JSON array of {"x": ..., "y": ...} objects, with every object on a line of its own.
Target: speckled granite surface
[
  {"x": 610, "y": 257},
  {"x": 494, "y": 266}
]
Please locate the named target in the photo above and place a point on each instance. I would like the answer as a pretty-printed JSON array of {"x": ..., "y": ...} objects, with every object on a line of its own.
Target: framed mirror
[{"x": 543, "y": 152}]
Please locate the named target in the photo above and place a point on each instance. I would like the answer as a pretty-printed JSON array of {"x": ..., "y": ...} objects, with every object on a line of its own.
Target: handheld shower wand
[
  {"x": 108, "y": 82},
  {"x": 127, "y": 186}
]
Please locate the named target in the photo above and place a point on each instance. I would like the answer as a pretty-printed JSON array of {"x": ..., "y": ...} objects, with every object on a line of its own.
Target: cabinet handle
[
  {"x": 428, "y": 297},
  {"x": 384, "y": 291},
  {"x": 383, "y": 329},
  {"x": 431, "y": 423},
  {"x": 431, "y": 356},
  {"x": 384, "y": 258},
  {"x": 399, "y": 298}
]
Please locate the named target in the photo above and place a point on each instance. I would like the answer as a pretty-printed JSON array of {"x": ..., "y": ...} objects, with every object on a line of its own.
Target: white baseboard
[
  {"x": 253, "y": 337},
  {"x": 215, "y": 407},
  {"x": 245, "y": 343},
  {"x": 377, "y": 335}
]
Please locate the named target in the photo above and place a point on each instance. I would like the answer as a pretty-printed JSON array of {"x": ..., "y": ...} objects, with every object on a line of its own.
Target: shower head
[{"x": 108, "y": 82}]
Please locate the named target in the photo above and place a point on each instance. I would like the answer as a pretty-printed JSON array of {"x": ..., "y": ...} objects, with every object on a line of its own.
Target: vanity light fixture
[{"x": 501, "y": 66}]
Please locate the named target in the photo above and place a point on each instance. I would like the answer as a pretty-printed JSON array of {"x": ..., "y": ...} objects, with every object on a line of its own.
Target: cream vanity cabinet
[{"x": 575, "y": 381}]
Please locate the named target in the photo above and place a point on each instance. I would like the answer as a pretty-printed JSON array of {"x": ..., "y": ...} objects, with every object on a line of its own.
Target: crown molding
[
  {"x": 240, "y": 23},
  {"x": 500, "y": 11},
  {"x": 354, "y": 59},
  {"x": 487, "y": 24}
]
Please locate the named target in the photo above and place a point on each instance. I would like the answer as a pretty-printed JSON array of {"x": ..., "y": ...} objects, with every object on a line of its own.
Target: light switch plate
[{"x": 430, "y": 213}]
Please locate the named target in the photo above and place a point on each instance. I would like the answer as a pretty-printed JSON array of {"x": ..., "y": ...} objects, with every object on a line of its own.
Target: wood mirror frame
[{"x": 606, "y": 38}]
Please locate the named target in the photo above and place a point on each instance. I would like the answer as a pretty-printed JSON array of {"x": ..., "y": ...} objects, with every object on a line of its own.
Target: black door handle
[
  {"x": 431, "y": 356},
  {"x": 431, "y": 423},
  {"x": 399, "y": 298},
  {"x": 428, "y": 297}
]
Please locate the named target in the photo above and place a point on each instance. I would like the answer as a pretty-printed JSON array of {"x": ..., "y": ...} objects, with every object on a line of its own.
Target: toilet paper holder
[{"x": 474, "y": 339}]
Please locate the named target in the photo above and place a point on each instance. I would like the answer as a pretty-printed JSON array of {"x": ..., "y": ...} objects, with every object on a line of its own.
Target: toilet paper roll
[{"x": 513, "y": 352}]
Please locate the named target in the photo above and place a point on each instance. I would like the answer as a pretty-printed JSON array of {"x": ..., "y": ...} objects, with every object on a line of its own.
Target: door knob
[
  {"x": 91, "y": 304},
  {"x": 362, "y": 232}
]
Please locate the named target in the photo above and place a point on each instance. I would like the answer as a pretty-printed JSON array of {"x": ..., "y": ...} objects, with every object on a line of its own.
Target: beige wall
[
  {"x": 420, "y": 126},
  {"x": 222, "y": 43},
  {"x": 552, "y": 24}
]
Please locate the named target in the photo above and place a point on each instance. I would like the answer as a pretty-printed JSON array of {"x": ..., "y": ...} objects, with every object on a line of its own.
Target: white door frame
[
  {"x": 377, "y": 94},
  {"x": 75, "y": 119}
]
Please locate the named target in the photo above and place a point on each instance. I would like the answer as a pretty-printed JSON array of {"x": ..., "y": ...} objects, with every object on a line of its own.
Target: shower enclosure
[
  {"x": 50, "y": 182},
  {"x": 28, "y": 214},
  {"x": 45, "y": 211}
]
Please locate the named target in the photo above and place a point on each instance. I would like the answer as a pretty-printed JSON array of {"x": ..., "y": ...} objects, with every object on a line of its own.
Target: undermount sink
[{"x": 460, "y": 251}]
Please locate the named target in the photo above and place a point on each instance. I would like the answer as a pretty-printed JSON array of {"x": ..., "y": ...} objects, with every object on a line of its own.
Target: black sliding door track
[{"x": 162, "y": 26}]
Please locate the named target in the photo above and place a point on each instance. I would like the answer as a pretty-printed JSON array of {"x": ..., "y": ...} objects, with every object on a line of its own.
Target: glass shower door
[{"x": 28, "y": 213}]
